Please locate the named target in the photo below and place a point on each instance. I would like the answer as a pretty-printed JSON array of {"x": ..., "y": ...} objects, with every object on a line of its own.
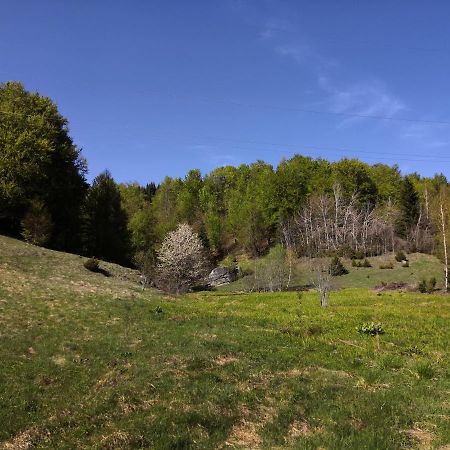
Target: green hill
[
  {"x": 421, "y": 266},
  {"x": 94, "y": 362}
]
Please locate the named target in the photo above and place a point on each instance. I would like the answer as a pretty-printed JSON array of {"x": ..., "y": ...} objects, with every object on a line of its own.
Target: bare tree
[
  {"x": 444, "y": 239},
  {"x": 271, "y": 273},
  {"x": 321, "y": 279},
  {"x": 441, "y": 218},
  {"x": 331, "y": 222},
  {"x": 288, "y": 242},
  {"x": 181, "y": 261}
]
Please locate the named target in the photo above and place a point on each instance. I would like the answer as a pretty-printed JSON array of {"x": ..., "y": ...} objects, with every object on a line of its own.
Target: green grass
[
  {"x": 93, "y": 362},
  {"x": 421, "y": 266}
]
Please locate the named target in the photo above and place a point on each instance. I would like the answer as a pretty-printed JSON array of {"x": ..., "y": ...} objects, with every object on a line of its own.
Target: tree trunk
[{"x": 445, "y": 246}]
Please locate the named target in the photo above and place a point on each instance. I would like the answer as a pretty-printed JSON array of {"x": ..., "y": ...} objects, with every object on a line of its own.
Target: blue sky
[{"x": 155, "y": 88}]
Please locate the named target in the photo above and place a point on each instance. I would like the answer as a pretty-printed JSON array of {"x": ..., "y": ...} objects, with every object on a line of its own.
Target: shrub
[
  {"x": 371, "y": 328},
  {"x": 427, "y": 286},
  {"x": 92, "y": 264},
  {"x": 400, "y": 256},
  {"x": 37, "y": 225},
  {"x": 389, "y": 265},
  {"x": 337, "y": 268},
  {"x": 365, "y": 263}
]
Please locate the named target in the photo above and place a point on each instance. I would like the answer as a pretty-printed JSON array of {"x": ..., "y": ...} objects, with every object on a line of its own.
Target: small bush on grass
[
  {"x": 92, "y": 264},
  {"x": 371, "y": 328},
  {"x": 37, "y": 224},
  {"x": 337, "y": 268},
  {"x": 427, "y": 286},
  {"x": 365, "y": 263},
  {"x": 389, "y": 265},
  {"x": 400, "y": 256}
]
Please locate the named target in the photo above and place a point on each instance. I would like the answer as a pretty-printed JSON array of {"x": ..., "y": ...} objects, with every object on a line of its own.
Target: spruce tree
[
  {"x": 409, "y": 208},
  {"x": 105, "y": 222}
]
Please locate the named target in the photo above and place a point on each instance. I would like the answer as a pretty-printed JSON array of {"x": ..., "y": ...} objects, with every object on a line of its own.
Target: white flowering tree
[{"x": 181, "y": 260}]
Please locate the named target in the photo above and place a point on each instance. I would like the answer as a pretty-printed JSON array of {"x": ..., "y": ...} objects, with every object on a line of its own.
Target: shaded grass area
[{"x": 83, "y": 369}]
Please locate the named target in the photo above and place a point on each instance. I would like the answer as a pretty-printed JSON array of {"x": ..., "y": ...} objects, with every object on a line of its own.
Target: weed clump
[
  {"x": 365, "y": 263},
  {"x": 92, "y": 264},
  {"x": 371, "y": 328},
  {"x": 389, "y": 265}
]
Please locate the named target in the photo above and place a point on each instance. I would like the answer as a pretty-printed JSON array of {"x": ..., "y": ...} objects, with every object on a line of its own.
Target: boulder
[{"x": 223, "y": 275}]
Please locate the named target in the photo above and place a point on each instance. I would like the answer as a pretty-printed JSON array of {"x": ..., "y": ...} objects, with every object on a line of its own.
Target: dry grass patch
[
  {"x": 424, "y": 438},
  {"x": 299, "y": 429},
  {"x": 244, "y": 435},
  {"x": 226, "y": 359},
  {"x": 24, "y": 440},
  {"x": 116, "y": 440}
]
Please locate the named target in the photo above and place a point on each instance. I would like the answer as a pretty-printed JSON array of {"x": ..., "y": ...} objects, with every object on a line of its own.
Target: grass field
[
  {"x": 420, "y": 266},
  {"x": 94, "y": 362}
]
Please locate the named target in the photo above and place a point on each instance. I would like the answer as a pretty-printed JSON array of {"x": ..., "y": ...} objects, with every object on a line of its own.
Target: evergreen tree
[
  {"x": 409, "y": 208},
  {"x": 105, "y": 232}
]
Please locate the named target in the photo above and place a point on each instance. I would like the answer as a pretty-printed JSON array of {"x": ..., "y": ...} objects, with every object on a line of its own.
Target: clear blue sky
[{"x": 154, "y": 88}]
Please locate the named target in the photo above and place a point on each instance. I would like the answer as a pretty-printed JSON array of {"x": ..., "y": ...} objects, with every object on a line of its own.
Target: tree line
[{"x": 311, "y": 206}]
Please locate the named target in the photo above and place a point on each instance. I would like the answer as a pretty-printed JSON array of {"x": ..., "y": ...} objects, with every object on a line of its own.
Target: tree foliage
[
  {"x": 105, "y": 232},
  {"x": 38, "y": 160}
]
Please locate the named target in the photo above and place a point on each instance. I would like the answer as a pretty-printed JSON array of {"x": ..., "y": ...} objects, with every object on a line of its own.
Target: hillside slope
[
  {"x": 94, "y": 362},
  {"x": 421, "y": 266}
]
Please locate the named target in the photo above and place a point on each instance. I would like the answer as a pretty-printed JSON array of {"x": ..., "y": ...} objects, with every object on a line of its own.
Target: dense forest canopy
[{"x": 318, "y": 206}]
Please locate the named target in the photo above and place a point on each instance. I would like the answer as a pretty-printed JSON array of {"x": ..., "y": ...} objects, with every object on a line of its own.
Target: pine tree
[
  {"x": 105, "y": 228},
  {"x": 409, "y": 208}
]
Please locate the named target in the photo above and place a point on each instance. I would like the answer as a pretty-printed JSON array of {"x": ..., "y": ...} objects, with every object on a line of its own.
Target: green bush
[
  {"x": 400, "y": 256},
  {"x": 337, "y": 268},
  {"x": 365, "y": 263},
  {"x": 92, "y": 264},
  {"x": 427, "y": 286},
  {"x": 389, "y": 265}
]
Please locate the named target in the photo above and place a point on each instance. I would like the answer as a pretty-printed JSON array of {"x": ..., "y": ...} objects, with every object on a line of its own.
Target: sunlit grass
[{"x": 106, "y": 365}]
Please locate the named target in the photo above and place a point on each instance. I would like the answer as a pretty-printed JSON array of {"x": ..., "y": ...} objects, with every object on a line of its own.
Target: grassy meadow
[{"x": 95, "y": 362}]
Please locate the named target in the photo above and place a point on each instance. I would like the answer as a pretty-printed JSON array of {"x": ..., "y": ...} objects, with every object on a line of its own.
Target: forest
[{"x": 312, "y": 206}]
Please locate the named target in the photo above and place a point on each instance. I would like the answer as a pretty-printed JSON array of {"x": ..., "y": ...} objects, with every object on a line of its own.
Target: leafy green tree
[
  {"x": 164, "y": 206},
  {"x": 140, "y": 219},
  {"x": 188, "y": 200},
  {"x": 252, "y": 208},
  {"x": 292, "y": 187},
  {"x": 105, "y": 233},
  {"x": 39, "y": 160},
  {"x": 213, "y": 198},
  {"x": 388, "y": 181},
  {"x": 354, "y": 178}
]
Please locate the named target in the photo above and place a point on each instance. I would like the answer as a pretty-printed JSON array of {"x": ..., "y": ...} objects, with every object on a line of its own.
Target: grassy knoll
[
  {"x": 93, "y": 362},
  {"x": 421, "y": 266}
]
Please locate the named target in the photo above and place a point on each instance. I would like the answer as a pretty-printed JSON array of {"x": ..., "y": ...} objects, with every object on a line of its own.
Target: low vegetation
[{"x": 94, "y": 362}]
